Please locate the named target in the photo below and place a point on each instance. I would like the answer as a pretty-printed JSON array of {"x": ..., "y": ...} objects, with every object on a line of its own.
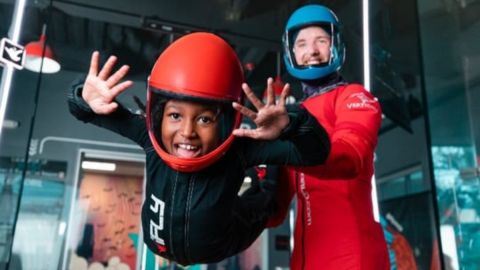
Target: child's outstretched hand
[
  {"x": 101, "y": 88},
  {"x": 271, "y": 118}
]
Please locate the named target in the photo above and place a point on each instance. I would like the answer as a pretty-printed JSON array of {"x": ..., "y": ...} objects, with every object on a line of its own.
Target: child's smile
[{"x": 186, "y": 150}]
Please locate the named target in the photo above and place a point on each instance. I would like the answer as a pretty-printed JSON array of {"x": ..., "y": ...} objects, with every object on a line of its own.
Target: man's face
[
  {"x": 312, "y": 46},
  {"x": 189, "y": 129}
]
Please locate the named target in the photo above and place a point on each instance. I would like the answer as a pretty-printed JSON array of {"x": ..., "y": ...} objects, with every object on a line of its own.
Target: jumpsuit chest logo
[
  {"x": 364, "y": 102},
  {"x": 156, "y": 226}
]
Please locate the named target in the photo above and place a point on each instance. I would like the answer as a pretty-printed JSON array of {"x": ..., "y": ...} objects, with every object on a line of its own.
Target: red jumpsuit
[{"x": 335, "y": 228}]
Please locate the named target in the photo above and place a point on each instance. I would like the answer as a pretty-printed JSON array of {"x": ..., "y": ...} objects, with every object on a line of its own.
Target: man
[{"x": 335, "y": 228}]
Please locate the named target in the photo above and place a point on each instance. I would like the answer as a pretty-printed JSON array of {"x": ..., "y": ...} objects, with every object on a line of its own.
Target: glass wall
[
  {"x": 12, "y": 163},
  {"x": 450, "y": 32},
  {"x": 404, "y": 180},
  {"x": 39, "y": 229}
]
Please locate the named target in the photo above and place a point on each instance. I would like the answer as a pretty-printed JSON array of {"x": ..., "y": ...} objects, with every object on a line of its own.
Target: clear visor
[
  {"x": 189, "y": 128},
  {"x": 290, "y": 37}
]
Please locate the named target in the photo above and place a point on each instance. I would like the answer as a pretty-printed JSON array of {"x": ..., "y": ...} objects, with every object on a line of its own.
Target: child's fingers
[
  {"x": 270, "y": 92},
  {"x": 107, "y": 68},
  {"x": 244, "y": 110},
  {"x": 252, "y": 97},
  {"x": 93, "y": 70},
  {"x": 106, "y": 108},
  {"x": 117, "y": 76},
  {"x": 119, "y": 88},
  {"x": 284, "y": 95},
  {"x": 240, "y": 132}
]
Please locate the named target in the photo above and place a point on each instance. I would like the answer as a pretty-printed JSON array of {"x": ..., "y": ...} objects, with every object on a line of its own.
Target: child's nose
[{"x": 188, "y": 129}]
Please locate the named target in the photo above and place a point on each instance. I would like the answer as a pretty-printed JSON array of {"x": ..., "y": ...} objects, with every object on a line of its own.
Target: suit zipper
[{"x": 172, "y": 249}]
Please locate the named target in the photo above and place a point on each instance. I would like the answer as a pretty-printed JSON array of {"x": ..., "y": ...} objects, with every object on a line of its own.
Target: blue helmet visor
[{"x": 290, "y": 37}]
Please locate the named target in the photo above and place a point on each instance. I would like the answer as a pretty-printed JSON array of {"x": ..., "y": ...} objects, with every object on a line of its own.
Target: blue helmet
[{"x": 313, "y": 15}]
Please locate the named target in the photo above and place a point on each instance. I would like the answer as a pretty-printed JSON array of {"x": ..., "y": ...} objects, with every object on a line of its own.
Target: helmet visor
[
  {"x": 290, "y": 40},
  {"x": 189, "y": 129}
]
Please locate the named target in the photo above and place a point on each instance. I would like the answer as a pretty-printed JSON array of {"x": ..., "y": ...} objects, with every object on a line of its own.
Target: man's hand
[
  {"x": 271, "y": 118},
  {"x": 101, "y": 88}
]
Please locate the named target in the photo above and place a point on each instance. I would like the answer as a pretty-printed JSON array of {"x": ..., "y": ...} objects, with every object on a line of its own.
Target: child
[{"x": 192, "y": 212}]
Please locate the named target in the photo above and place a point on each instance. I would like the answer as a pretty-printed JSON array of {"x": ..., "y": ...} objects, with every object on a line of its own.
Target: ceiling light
[
  {"x": 247, "y": 179},
  {"x": 99, "y": 166},
  {"x": 277, "y": 84},
  {"x": 34, "y": 52},
  {"x": 10, "y": 124}
]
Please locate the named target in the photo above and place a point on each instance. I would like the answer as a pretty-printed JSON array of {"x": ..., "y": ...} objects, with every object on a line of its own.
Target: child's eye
[
  {"x": 174, "y": 116},
  {"x": 205, "y": 119}
]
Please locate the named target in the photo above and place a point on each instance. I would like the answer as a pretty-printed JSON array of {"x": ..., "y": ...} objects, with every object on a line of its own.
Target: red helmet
[{"x": 198, "y": 67}]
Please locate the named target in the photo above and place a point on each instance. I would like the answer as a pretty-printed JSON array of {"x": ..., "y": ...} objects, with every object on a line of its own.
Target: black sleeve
[
  {"x": 121, "y": 121},
  {"x": 303, "y": 142}
]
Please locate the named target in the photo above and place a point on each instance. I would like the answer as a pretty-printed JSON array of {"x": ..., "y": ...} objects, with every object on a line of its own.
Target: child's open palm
[
  {"x": 271, "y": 117},
  {"x": 101, "y": 88}
]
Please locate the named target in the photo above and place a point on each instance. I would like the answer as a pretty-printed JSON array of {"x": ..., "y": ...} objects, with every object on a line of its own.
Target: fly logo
[
  {"x": 157, "y": 207},
  {"x": 364, "y": 102}
]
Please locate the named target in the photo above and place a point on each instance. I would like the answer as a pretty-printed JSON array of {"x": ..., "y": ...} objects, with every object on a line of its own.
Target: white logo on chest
[
  {"x": 158, "y": 207},
  {"x": 365, "y": 102}
]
